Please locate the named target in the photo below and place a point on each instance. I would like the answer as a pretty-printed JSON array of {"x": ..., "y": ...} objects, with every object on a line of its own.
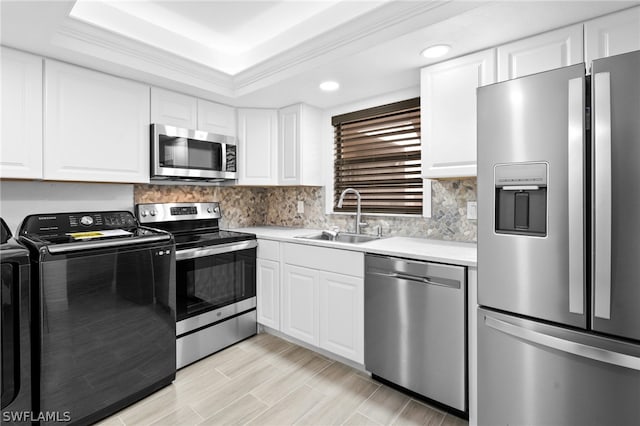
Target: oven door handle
[{"x": 213, "y": 250}]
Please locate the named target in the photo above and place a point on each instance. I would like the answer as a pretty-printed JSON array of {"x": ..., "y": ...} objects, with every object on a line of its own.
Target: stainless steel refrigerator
[{"x": 559, "y": 247}]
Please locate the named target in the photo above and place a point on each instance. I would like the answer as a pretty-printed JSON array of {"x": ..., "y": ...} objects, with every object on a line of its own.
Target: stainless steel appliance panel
[
  {"x": 616, "y": 228},
  {"x": 533, "y": 120},
  {"x": 178, "y": 153},
  {"x": 537, "y": 374},
  {"x": 195, "y": 346},
  {"x": 415, "y": 334}
]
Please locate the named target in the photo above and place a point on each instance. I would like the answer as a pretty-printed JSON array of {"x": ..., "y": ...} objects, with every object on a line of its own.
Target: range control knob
[
  {"x": 153, "y": 212},
  {"x": 217, "y": 210},
  {"x": 86, "y": 220},
  {"x": 209, "y": 209},
  {"x": 144, "y": 213}
]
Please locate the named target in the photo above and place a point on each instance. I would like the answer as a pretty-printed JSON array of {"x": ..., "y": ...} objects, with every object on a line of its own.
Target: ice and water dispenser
[{"x": 521, "y": 199}]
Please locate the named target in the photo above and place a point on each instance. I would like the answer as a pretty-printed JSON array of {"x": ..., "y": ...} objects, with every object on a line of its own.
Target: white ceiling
[{"x": 273, "y": 53}]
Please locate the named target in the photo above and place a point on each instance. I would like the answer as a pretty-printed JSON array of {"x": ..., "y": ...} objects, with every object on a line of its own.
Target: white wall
[
  {"x": 21, "y": 198},
  {"x": 326, "y": 137}
]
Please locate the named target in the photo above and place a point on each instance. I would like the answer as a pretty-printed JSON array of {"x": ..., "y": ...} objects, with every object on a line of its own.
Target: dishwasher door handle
[{"x": 421, "y": 280}]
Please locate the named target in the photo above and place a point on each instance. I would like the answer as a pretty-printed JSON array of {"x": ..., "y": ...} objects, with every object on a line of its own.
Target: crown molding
[
  {"x": 391, "y": 20},
  {"x": 87, "y": 39}
]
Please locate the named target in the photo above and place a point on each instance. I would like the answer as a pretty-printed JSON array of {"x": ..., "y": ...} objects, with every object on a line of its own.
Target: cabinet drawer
[
  {"x": 335, "y": 260},
  {"x": 269, "y": 250}
]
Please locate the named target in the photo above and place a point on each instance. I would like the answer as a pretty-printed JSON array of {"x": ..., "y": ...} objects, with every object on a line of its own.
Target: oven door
[{"x": 214, "y": 283}]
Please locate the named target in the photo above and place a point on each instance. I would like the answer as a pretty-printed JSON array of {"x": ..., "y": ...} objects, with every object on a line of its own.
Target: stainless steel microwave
[{"x": 184, "y": 154}]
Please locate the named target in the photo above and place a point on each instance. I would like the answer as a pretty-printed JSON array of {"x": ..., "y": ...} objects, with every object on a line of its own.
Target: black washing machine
[{"x": 15, "y": 355}]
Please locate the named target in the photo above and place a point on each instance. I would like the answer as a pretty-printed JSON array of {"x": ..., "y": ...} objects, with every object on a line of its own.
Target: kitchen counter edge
[{"x": 451, "y": 252}]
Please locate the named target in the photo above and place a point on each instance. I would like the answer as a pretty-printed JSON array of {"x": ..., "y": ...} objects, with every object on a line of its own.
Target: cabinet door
[
  {"x": 300, "y": 303},
  {"x": 268, "y": 293},
  {"x": 544, "y": 52},
  {"x": 289, "y": 145},
  {"x": 173, "y": 109},
  {"x": 341, "y": 306},
  {"x": 257, "y": 145},
  {"x": 612, "y": 34},
  {"x": 96, "y": 126},
  {"x": 448, "y": 114},
  {"x": 21, "y": 143},
  {"x": 216, "y": 118}
]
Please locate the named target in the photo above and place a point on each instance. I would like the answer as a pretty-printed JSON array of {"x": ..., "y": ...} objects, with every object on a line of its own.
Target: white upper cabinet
[
  {"x": 280, "y": 147},
  {"x": 257, "y": 146},
  {"x": 21, "y": 143},
  {"x": 612, "y": 34},
  {"x": 448, "y": 113},
  {"x": 173, "y": 109},
  {"x": 299, "y": 146},
  {"x": 543, "y": 52},
  {"x": 216, "y": 118},
  {"x": 96, "y": 126},
  {"x": 176, "y": 109}
]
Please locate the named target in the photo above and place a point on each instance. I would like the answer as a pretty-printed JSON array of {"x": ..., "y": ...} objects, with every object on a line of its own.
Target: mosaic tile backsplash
[{"x": 254, "y": 206}]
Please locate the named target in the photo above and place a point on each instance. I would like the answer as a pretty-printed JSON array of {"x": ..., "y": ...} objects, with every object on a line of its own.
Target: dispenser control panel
[{"x": 521, "y": 198}]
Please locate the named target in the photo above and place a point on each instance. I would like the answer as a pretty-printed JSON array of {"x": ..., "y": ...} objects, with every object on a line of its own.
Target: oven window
[
  {"x": 211, "y": 282},
  {"x": 185, "y": 153}
]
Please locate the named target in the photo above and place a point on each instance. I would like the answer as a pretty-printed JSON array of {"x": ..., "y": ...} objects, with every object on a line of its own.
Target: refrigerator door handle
[
  {"x": 602, "y": 195},
  {"x": 575, "y": 169},
  {"x": 568, "y": 346}
]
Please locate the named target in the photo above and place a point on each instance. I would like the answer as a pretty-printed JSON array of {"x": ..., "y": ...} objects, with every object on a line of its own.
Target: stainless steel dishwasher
[{"x": 415, "y": 327}]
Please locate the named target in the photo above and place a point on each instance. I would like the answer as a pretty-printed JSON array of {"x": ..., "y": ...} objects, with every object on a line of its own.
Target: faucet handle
[{"x": 379, "y": 231}]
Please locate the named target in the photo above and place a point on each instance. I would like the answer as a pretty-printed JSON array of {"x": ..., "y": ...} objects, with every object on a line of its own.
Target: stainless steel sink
[{"x": 341, "y": 238}]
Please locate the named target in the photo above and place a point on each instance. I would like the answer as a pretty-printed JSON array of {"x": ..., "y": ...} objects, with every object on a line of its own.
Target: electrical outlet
[
  {"x": 300, "y": 207},
  {"x": 472, "y": 210}
]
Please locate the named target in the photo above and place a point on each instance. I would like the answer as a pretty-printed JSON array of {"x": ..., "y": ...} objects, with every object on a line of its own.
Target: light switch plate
[
  {"x": 300, "y": 207},
  {"x": 472, "y": 210}
]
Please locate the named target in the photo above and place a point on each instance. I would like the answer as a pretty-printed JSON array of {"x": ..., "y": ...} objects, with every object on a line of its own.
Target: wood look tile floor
[{"x": 268, "y": 381}]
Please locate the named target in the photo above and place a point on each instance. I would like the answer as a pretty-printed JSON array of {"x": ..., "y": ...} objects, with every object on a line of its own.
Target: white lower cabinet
[
  {"x": 341, "y": 312},
  {"x": 323, "y": 298},
  {"x": 300, "y": 303},
  {"x": 268, "y": 292}
]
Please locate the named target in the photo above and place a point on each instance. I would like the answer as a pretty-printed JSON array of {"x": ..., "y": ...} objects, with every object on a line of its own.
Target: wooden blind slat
[{"x": 380, "y": 156}]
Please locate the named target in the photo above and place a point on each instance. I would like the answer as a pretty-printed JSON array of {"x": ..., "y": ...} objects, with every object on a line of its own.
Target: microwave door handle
[
  {"x": 602, "y": 195},
  {"x": 223, "y": 168},
  {"x": 575, "y": 169}
]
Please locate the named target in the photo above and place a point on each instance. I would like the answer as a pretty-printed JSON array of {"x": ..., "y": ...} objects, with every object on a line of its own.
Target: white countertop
[{"x": 408, "y": 247}]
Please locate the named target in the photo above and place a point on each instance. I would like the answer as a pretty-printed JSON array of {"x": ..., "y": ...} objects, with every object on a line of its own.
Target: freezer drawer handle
[
  {"x": 422, "y": 280},
  {"x": 579, "y": 349},
  {"x": 602, "y": 196}
]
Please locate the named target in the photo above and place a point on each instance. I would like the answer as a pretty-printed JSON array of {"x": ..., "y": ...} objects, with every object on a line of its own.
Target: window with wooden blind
[{"x": 377, "y": 152}]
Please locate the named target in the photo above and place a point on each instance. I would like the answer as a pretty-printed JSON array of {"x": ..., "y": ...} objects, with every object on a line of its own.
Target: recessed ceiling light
[
  {"x": 329, "y": 86},
  {"x": 436, "y": 51}
]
